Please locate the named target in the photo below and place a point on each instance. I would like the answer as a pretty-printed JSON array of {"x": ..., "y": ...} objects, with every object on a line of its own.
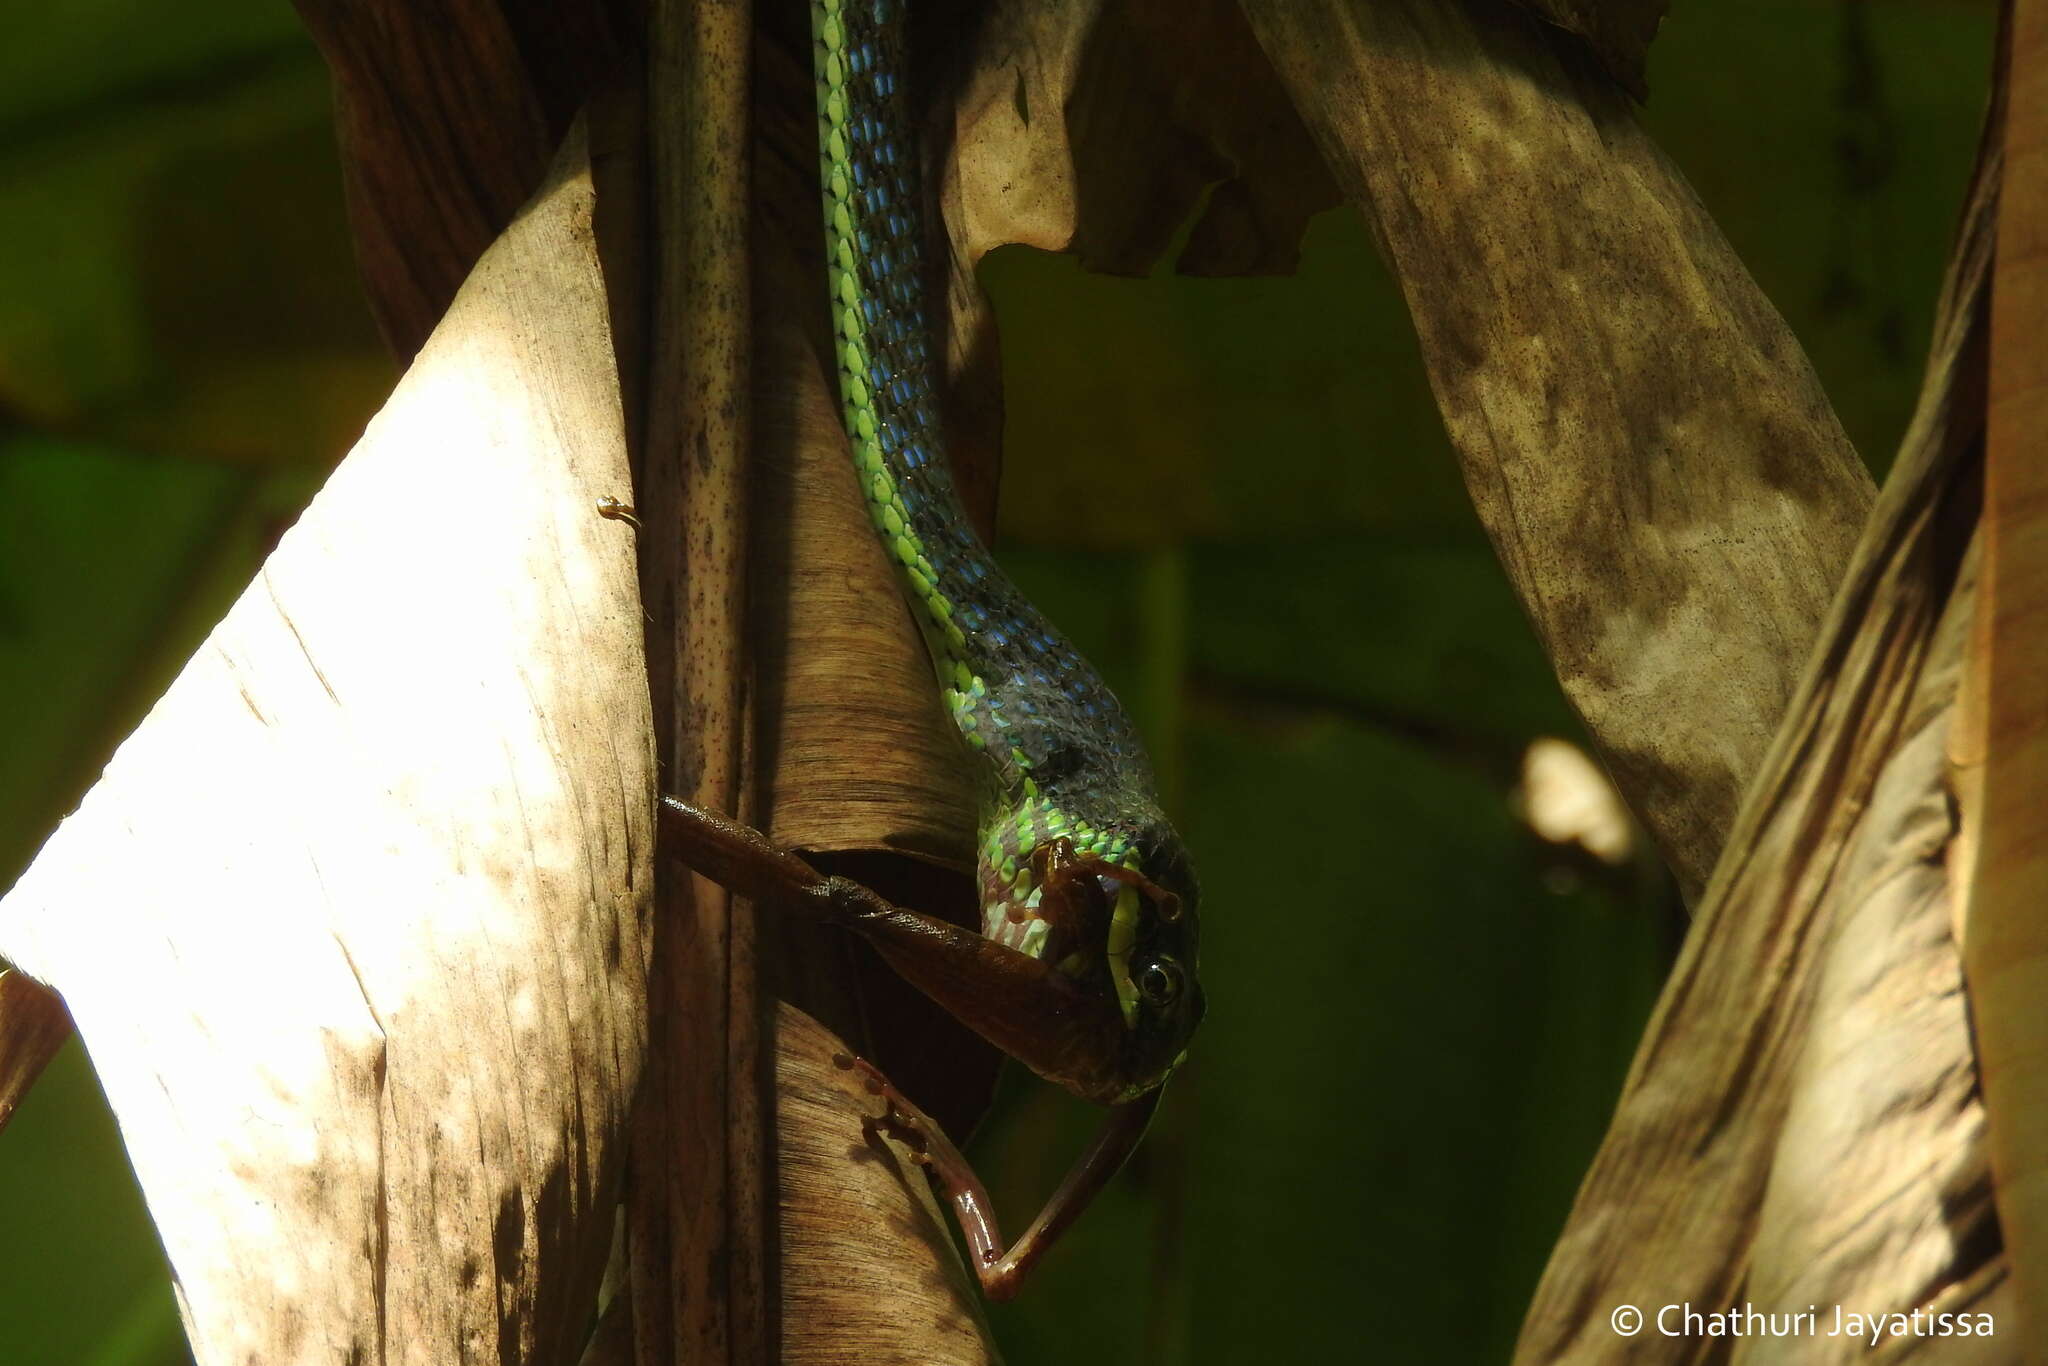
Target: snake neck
[{"x": 1055, "y": 754}]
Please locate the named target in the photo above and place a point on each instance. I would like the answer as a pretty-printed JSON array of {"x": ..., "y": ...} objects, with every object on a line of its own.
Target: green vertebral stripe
[{"x": 1056, "y": 756}]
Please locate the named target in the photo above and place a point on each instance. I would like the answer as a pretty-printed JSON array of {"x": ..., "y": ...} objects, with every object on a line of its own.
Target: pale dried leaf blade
[
  {"x": 353, "y": 924},
  {"x": 1878, "y": 1195},
  {"x": 1802, "y": 1125},
  {"x": 869, "y": 1271},
  {"x": 1650, "y": 452},
  {"x": 2004, "y": 786}
]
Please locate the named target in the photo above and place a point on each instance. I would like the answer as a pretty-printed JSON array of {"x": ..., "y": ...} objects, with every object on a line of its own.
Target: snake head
[
  {"x": 1109, "y": 913},
  {"x": 1153, "y": 941},
  {"x": 1126, "y": 931}
]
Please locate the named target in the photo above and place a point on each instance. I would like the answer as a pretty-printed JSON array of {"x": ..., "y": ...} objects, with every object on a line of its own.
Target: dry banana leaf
[
  {"x": 354, "y": 925},
  {"x": 697, "y": 1217},
  {"x": 1645, "y": 442},
  {"x": 448, "y": 116},
  {"x": 1802, "y": 1125},
  {"x": 2002, "y": 746}
]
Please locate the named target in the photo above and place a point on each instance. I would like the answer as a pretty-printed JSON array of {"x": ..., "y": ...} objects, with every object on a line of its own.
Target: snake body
[{"x": 1055, "y": 754}]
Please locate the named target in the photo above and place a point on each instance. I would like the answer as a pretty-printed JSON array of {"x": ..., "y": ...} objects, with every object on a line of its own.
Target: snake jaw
[{"x": 1123, "y": 937}]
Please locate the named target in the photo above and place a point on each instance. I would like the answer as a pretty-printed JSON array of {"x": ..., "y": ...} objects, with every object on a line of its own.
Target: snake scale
[{"x": 1063, "y": 781}]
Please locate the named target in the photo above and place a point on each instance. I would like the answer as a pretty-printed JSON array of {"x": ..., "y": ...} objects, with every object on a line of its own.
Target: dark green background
[{"x": 1234, "y": 494}]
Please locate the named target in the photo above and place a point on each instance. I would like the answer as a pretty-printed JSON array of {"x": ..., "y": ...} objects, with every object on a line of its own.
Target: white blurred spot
[{"x": 1566, "y": 799}]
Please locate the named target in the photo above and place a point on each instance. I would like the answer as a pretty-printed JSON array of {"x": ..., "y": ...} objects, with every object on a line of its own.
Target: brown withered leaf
[
  {"x": 33, "y": 1026},
  {"x": 448, "y": 116},
  {"x": 1647, "y": 446},
  {"x": 1802, "y": 1125},
  {"x": 2001, "y": 747},
  {"x": 841, "y": 1300},
  {"x": 698, "y": 1230}
]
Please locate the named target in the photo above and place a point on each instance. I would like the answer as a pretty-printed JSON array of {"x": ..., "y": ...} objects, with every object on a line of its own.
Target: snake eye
[{"x": 1159, "y": 982}]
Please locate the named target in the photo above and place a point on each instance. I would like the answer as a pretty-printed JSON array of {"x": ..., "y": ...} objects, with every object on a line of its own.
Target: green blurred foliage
[
  {"x": 82, "y": 1276},
  {"x": 1172, "y": 384},
  {"x": 1234, "y": 494},
  {"x": 1833, "y": 142}
]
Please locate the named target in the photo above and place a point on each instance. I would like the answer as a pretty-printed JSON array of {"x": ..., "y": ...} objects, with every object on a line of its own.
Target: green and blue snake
[{"x": 1065, "y": 787}]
